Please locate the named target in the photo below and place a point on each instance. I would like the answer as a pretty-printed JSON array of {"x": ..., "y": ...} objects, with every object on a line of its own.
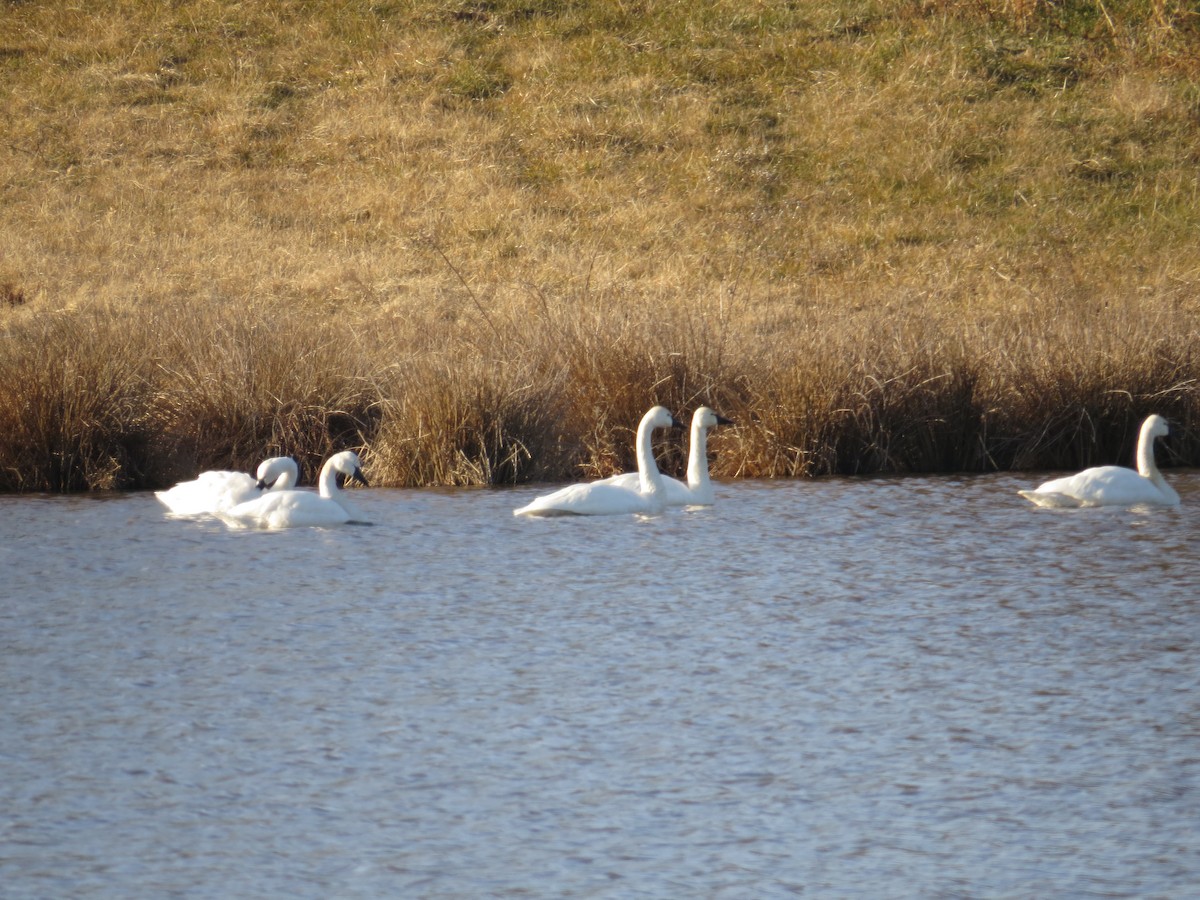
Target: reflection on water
[{"x": 888, "y": 687}]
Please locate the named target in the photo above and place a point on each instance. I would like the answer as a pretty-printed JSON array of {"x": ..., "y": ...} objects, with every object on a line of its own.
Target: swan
[
  {"x": 594, "y": 498},
  {"x": 1113, "y": 485},
  {"x": 288, "y": 509},
  {"x": 213, "y": 491},
  {"x": 698, "y": 491}
]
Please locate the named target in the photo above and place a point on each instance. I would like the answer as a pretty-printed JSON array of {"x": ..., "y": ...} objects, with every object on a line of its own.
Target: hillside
[{"x": 480, "y": 238}]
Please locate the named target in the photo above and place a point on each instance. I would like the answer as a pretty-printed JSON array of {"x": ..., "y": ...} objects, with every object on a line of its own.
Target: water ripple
[{"x": 849, "y": 687}]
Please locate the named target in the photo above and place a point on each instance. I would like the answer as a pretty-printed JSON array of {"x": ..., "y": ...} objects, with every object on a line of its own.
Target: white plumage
[
  {"x": 595, "y": 498},
  {"x": 291, "y": 509},
  {"x": 698, "y": 490},
  {"x": 1113, "y": 485},
  {"x": 217, "y": 490}
]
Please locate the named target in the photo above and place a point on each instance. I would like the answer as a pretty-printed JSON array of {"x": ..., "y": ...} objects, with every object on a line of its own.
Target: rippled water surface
[{"x": 917, "y": 687}]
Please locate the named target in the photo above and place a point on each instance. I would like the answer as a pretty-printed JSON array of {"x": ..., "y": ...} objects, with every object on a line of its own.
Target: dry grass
[{"x": 479, "y": 239}]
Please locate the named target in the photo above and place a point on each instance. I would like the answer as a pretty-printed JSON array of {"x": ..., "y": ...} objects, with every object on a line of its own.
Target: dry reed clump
[
  {"x": 1058, "y": 387},
  {"x": 74, "y": 408},
  {"x": 859, "y": 400},
  {"x": 614, "y": 354},
  {"x": 231, "y": 388},
  {"x": 102, "y": 399},
  {"x": 458, "y": 419},
  {"x": 1067, "y": 387},
  {"x": 552, "y": 391},
  {"x": 535, "y": 390}
]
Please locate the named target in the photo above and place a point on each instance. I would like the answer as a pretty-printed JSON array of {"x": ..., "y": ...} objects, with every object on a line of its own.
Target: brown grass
[{"x": 478, "y": 240}]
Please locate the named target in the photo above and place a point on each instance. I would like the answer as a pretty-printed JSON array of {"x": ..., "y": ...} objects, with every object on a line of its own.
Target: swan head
[
  {"x": 347, "y": 463},
  {"x": 660, "y": 417},
  {"x": 270, "y": 471},
  {"x": 1155, "y": 426},
  {"x": 704, "y": 417}
]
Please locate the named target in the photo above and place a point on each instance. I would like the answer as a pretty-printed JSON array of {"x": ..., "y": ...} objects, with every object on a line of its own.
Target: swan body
[
  {"x": 1113, "y": 485},
  {"x": 698, "y": 490},
  {"x": 213, "y": 491},
  {"x": 594, "y": 498},
  {"x": 291, "y": 508}
]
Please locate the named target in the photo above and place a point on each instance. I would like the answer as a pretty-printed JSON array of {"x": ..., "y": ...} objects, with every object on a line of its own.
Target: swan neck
[
  {"x": 1145, "y": 454},
  {"x": 697, "y": 473},
  {"x": 1148, "y": 468},
  {"x": 648, "y": 476},
  {"x": 327, "y": 484}
]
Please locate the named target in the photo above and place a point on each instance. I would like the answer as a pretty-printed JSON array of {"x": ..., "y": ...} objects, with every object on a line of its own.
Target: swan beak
[
  {"x": 261, "y": 484},
  {"x": 721, "y": 420},
  {"x": 357, "y": 475},
  {"x": 675, "y": 423}
]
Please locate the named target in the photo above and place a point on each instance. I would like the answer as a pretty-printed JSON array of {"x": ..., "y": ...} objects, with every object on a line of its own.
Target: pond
[{"x": 915, "y": 686}]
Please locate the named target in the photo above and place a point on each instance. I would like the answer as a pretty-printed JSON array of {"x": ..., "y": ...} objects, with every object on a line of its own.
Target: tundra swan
[
  {"x": 1113, "y": 485},
  {"x": 595, "y": 498},
  {"x": 214, "y": 491},
  {"x": 288, "y": 509},
  {"x": 698, "y": 490}
]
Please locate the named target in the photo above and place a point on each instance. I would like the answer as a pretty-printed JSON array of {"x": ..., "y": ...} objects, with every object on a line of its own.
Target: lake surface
[{"x": 918, "y": 687}]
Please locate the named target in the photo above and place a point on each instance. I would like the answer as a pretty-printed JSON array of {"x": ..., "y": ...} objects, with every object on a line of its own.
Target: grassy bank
[{"x": 480, "y": 239}]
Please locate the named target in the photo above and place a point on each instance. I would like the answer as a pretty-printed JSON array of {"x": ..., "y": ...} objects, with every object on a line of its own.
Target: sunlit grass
[{"x": 478, "y": 240}]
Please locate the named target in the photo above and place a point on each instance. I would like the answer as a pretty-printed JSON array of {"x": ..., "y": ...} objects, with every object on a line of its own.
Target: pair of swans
[
  {"x": 646, "y": 491},
  {"x": 271, "y": 500},
  {"x": 1113, "y": 485},
  {"x": 216, "y": 491}
]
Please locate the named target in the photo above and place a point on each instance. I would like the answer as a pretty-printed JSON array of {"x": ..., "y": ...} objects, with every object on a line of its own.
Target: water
[{"x": 913, "y": 687}]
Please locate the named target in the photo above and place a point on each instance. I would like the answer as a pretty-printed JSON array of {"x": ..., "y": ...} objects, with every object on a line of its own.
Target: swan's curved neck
[
  {"x": 1146, "y": 465},
  {"x": 697, "y": 473},
  {"x": 648, "y": 476},
  {"x": 327, "y": 483},
  {"x": 1145, "y": 454}
]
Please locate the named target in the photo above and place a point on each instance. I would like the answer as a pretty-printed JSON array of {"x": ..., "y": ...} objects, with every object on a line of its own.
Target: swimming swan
[
  {"x": 290, "y": 509},
  {"x": 698, "y": 491},
  {"x": 1113, "y": 485},
  {"x": 594, "y": 498},
  {"x": 214, "y": 491}
]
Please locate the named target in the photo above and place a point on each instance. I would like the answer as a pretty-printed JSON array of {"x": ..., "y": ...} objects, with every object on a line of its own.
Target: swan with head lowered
[
  {"x": 698, "y": 491},
  {"x": 214, "y": 491},
  {"x": 291, "y": 509},
  {"x": 1113, "y": 485},
  {"x": 595, "y": 498}
]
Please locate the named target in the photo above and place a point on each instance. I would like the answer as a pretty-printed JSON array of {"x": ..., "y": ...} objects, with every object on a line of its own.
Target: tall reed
[
  {"x": 232, "y": 387},
  {"x": 75, "y": 405},
  {"x": 98, "y": 399}
]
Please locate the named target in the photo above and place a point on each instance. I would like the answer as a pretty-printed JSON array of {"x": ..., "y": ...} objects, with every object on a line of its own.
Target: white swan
[
  {"x": 594, "y": 498},
  {"x": 289, "y": 509},
  {"x": 698, "y": 491},
  {"x": 1113, "y": 485},
  {"x": 214, "y": 491}
]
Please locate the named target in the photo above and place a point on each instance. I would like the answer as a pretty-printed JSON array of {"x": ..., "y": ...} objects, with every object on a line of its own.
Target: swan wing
[
  {"x": 286, "y": 509},
  {"x": 678, "y": 493},
  {"x": 628, "y": 480},
  {"x": 591, "y": 499},
  {"x": 210, "y": 492}
]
